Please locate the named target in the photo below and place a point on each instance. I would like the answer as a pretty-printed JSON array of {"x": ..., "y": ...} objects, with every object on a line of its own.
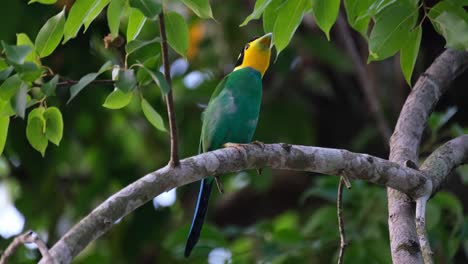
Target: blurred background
[{"x": 312, "y": 96}]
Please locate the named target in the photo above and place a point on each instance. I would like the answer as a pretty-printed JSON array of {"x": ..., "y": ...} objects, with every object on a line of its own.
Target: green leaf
[
  {"x": 201, "y": 8},
  {"x": 152, "y": 116},
  {"x": 35, "y": 130},
  {"x": 409, "y": 53},
  {"x": 20, "y": 100},
  {"x": 151, "y": 63},
  {"x": 158, "y": 78},
  {"x": 270, "y": 15},
  {"x": 4, "y": 122},
  {"x": 3, "y": 64},
  {"x": 48, "y": 88},
  {"x": 94, "y": 11},
  {"x": 358, "y": 14},
  {"x": 28, "y": 71},
  {"x": 54, "y": 125},
  {"x": 5, "y": 69},
  {"x": 136, "y": 44},
  {"x": 23, "y": 39},
  {"x": 114, "y": 13},
  {"x": 82, "y": 12},
  {"x": 118, "y": 99},
  {"x": 45, "y": 2},
  {"x": 136, "y": 21},
  {"x": 326, "y": 12},
  {"x": 6, "y": 109},
  {"x": 451, "y": 21},
  {"x": 391, "y": 30},
  {"x": 177, "y": 32},
  {"x": 289, "y": 18},
  {"x": 86, "y": 80},
  {"x": 149, "y": 8},
  {"x": 16, "y": 54},
  {"x": 9, "y": 87},
  {"x": 76, "y": 18},
  {"x": 6, "y": 72},
  {"x": 260, "y": 6},
  {"x": 50, "y": 34},
  {"x": 126, "y": 80}
]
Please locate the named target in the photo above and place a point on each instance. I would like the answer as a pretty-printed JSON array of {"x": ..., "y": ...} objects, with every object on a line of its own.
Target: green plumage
[{"x": 231, "y": 117}]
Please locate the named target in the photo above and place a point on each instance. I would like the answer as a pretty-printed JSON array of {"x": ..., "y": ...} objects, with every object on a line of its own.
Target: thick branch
[
  {"x": 219, "y": 162},
  {"x": 404, "y": 148},
  {"x": 404, "y": 143},
  {"x": 169, "y": 98},
  {"x": 28, "y": 237}
]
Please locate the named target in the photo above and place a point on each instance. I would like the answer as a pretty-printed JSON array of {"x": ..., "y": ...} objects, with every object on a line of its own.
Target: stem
[
  {"x": 66, "y": 83},
  {"x": 174, "y": 161},
  {"x": 28, "y": 237},
  {"x": 367, "y": 86},
  {"x": 339, "y": 206},
  {"x": 421, "y": 230}
]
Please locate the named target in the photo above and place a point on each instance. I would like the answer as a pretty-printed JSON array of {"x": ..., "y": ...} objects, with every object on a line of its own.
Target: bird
[{"x": 231, "y": 117}]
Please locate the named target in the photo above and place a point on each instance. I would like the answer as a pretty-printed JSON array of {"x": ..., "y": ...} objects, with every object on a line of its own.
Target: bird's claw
[
  {"x": 219, "y": 185},
  {"x": 258, "y": 144},
  {"x": 232, "y": 145}
]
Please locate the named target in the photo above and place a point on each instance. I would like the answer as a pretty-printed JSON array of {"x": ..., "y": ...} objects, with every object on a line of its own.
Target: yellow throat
[{"x": 256, "y": 54}]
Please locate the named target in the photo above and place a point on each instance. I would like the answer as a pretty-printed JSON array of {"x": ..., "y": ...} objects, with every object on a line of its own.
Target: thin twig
[
  {"x": 339, "y": 207},
  {"x": 421, "y": 230},
  {"x": 367, "y": 85},
  {"x": 28, "y": 237},
  {"x": 174, "y": 161},
  {"x": 66, "y": 83}
]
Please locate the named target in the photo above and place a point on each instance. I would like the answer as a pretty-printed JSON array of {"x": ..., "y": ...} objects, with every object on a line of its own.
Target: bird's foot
[
  {"x": 219, "y": 184},
  {"x": 233, "y": 145},
  {"x": 258, "y": 144}
]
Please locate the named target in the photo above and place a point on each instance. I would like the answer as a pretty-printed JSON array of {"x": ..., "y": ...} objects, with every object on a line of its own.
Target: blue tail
[{"x": 199, "y": 216}]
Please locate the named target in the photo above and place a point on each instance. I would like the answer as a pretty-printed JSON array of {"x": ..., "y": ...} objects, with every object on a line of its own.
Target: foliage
[{"x": 104, "y": 150}]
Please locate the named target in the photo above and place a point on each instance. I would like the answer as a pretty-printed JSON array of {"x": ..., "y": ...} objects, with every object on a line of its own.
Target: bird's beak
[{"x": 266, "y": 40}]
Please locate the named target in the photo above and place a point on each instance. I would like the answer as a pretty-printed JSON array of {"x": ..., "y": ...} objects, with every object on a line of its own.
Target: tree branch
[
  {"x": 404, "y": 148},
  {"x": 28, "y": 237},
  {"x": 174, "y": 161},
  {"x": 438, "y": 165},
  {"x": 421, "y": 230},
  {"x": 366, "y": 85},
  {"x": 339, "y": 213},
  {"x": 444, "y": 160},
  {"x": 222, "y": 161}
]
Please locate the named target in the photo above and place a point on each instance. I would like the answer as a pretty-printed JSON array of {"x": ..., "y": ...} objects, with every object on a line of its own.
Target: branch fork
[{"x": 28, "y": 237}]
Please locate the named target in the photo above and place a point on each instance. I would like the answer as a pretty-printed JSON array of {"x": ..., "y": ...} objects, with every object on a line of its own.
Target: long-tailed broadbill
[{"x": 231, "y": 116}]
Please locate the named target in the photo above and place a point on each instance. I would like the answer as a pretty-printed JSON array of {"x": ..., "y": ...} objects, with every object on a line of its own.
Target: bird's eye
[{"x": 247, "y": 46}]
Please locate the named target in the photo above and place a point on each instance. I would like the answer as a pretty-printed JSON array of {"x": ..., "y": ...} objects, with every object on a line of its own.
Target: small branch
[
  {"x": 366, "y": 85},
  {"x": 444, "y": 159},
  {"x": 339, "y": 206},
  {"x": 174, "y": 161},
  {"x": 67, "y": 83},
  {"x": 421, "y": 230},
  {"x": 28, "y": 237}
]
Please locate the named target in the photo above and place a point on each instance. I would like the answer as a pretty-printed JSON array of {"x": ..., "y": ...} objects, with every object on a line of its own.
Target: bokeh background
[{"x": 311, "y": 97}]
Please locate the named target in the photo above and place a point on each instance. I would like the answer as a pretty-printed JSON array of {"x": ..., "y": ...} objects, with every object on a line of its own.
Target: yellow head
[{"x": 256, "y": 54}]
